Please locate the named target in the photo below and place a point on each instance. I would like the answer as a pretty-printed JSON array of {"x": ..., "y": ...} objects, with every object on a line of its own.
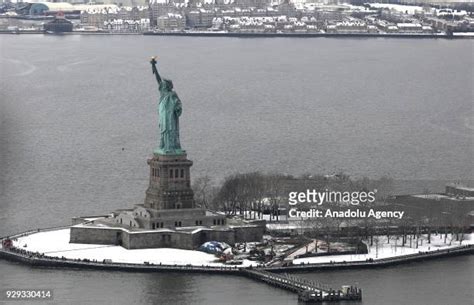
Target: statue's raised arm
[{"x": 155, "y": 70}]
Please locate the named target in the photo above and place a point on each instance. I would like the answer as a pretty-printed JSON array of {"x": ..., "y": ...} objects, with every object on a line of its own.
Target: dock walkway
[
  {"x": 307, "y": 290},
  {"x": 285, "y": 281}
]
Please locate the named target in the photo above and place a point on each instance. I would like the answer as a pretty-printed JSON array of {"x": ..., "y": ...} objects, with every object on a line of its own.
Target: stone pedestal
[{"x": 170, "y": 183}]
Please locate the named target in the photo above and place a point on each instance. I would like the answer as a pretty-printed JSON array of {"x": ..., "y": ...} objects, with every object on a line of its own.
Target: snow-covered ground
[
  {"x": 56, "y": 243},
  {"x": 383, "y": 249}
]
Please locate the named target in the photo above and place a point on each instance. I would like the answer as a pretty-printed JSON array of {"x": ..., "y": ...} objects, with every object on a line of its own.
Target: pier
[{"x": 308, "y": 291}]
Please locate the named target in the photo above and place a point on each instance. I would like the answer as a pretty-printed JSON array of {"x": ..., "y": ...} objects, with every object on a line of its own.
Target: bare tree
[{"x": 203, "y": 191}]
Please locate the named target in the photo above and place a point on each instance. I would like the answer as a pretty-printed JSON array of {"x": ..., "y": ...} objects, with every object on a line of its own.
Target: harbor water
[{"x": 78, "y": 121}]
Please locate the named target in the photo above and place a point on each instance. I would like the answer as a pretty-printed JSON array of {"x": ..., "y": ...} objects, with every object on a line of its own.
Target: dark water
[
  {"x": 442, "y": 282},
  {"x": 374, "y": 107}
]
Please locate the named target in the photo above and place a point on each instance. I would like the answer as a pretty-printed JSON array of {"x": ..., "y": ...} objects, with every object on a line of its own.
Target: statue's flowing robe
[{"x": 169, "y": 110}]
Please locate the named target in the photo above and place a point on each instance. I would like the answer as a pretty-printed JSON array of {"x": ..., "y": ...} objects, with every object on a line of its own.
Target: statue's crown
[{"x": 166, "y": 84}]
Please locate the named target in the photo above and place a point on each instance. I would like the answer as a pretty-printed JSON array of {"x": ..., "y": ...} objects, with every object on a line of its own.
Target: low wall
[
  {"x": 86, "y": 235},
  {"x": 164, "y": 238},
  {"x": 172, "y": 239}
]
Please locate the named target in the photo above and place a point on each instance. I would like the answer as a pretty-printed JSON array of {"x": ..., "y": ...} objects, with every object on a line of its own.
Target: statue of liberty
[{"x": 169, "y": 110}]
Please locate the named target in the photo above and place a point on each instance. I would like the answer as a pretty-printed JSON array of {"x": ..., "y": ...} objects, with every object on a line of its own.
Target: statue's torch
[{"x": 155, "y": 70}]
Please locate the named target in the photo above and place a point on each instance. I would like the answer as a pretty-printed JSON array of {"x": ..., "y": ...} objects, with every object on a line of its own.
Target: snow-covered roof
[
  {"x": 408, "y": 25},
  {"x": 92, "y": 9},
  {"x": 350, "y": 23}
]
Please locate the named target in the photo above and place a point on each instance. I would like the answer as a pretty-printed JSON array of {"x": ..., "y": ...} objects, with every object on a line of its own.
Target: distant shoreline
[
  {"x": 303, "y": 35},
  {"x": 259, "y": 35}
]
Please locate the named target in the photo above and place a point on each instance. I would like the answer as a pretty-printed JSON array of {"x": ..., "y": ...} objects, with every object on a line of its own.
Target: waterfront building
[
  {"x": 385, "y": 26},
  {"x": 312, "y": 28},
  {"x": 372, "y": 29},
  {"x": 127, "y": 25},
  {"x": 97, "y": 16},
  {"x": 252, "y": 3},
  {"x": 331, "y": 28},
  {"x": 353, "y": 26},
  {"x": 299, "y": 26},
  {"x": 200, "y": 18},
  {"x": 134, "y": 13},
  {"x": 309, "y": 20},
  {"x": 193, "y": 18},
  {"x": 171, "y": 22},
  {"x": 392, "y": 29},
  {"x": 463, "y": 25},
  {"x": 116, "y": 18},
  {"x": 409, "y": 27},
  {"x": 265, "y": 24},
  {"x": 288, "y": 9},
  {"x": 158, "y": 8},
  {"x": 396, "y": 17},
  {"x": 253, "y": 25},
  {"x": 329, "y": 15},
  {"x": 427, "y": 29}
]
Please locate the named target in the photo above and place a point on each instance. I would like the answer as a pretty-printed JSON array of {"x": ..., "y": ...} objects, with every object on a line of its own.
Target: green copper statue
[{"x": 169, "y": 110}]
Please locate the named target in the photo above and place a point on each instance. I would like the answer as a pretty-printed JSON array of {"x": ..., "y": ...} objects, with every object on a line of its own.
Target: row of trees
[
  {"x": 256, "y": 192},
  {"x": 247, "y": 194}
]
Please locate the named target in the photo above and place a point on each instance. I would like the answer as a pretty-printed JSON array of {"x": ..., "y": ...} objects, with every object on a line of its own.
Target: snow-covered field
[
  {"x": 56, "y": 243},
  {"x": 383, "y": 249}
]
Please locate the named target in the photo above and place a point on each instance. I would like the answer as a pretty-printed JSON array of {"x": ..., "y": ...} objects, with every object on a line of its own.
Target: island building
[{"x": 169, "y": 216}]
